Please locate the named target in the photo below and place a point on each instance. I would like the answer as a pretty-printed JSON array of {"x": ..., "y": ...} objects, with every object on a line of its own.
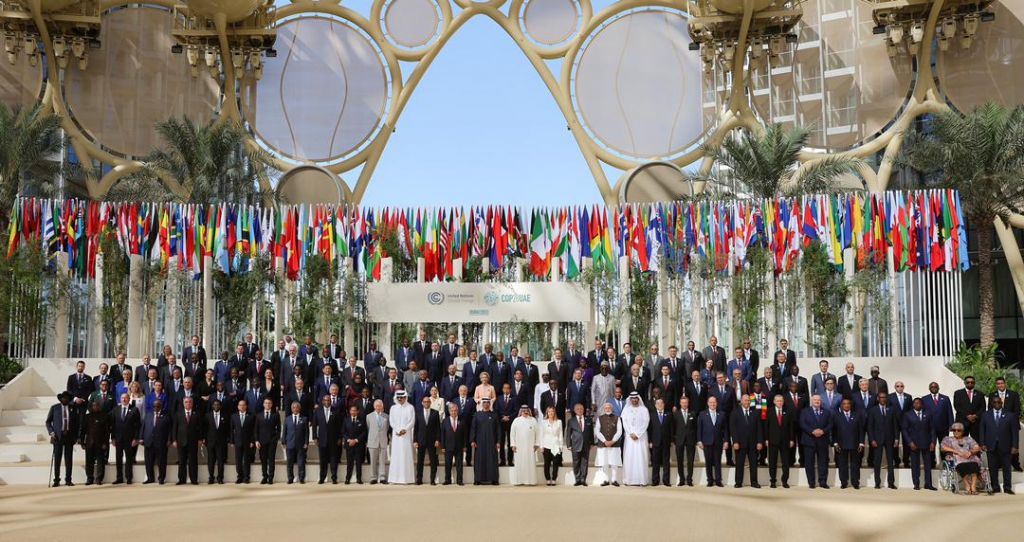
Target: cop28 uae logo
[
  {"x": 491, "y": 298},
  {"x": 435, "y": 298}
]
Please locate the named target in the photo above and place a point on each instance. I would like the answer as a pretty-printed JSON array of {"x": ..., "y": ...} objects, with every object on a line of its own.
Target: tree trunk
[{"x": 986, "y": 310}]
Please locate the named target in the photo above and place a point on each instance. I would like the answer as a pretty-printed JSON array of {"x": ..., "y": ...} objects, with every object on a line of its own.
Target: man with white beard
[
  {"x": 607, "y": 433},
  {"x": 402, "y": 418},
  {"x": 635, "y": 419}
]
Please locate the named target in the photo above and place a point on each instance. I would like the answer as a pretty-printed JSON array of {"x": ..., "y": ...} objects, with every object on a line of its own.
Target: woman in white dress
[
  {"x": 607, "y": 432},
  {"x": 402, "y": 419},
  {"x": 523, "y": 437},
  {"x": 635, "y": 453},
  {"x": 437, "y": 402},
  {"x": 551, "y": 441}
]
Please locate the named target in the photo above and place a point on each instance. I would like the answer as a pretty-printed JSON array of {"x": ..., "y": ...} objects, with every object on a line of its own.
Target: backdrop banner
[{"x": 478, "y": 302}]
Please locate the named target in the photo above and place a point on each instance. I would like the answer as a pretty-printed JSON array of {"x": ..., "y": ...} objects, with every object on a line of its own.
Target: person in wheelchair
[{"x": 966, "y": 456}]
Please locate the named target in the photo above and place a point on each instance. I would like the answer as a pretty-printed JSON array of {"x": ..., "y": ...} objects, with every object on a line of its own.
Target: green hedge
[{"x": 981, "y": 363}]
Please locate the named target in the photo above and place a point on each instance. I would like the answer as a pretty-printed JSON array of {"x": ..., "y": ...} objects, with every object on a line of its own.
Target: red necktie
[{"x": 780, "y": 419}]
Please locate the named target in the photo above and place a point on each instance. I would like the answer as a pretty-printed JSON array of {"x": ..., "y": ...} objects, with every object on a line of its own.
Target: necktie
[
  {"x": 847, "y": 416},
  {"x": 188, "y": 417},
  {"x": 970, "y": 395},
  {"x": 778, "y": 416},
  {"x": 327, "y": 415},
  {"x": 713, "y": 417},
  {"x": 666, "y": 381},
  {"x": 124, "y": 412},
  {"x": 919, "y": 415},
  {"x": 65, "y": 419},
  {"x": 883, "y": 411},
  {"x": 216, "y": 421},
  {"x": 241, "y": 419},
  {"x": 266, "y": 415},
  {"x": 455, "y": 424}
]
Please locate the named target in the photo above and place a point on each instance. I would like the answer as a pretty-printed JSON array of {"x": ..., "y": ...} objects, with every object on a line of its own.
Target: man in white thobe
[
  {"x": 607, "y": 432},
  {"x": 602, "y": 388},
  {"x": 635, "y": 419},
  {"x": 523, "y": 438},
  {"x": 402, "y": 418}
]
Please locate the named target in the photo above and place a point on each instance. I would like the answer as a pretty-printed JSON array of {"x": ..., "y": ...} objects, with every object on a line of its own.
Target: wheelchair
[{"x": 950, "y": 480}]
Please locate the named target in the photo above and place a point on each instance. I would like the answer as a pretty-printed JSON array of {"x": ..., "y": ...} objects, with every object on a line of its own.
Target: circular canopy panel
[
  {"x": 551, "y": 22},
  {"x": 637, "y": 86},
  {"x": 233, "y": 10},
  {"x": 310, "y": 185},
  {"x": 134, "y": 82},
  {"x": 839, "y": 84},
  {"x": 412, "y": 24},
  {"x": 653, "y": 182},
  {"x": 993, "y": 67},
  {"x": 20, "y": 83},
  {"x": 324, "y": 95}
]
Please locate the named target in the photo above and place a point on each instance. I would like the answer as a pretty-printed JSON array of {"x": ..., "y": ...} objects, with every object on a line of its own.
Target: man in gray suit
[
  {"x": 579, "y": 433},
  {"x": 295, "y": 439},
  {"x": 377, "y": 430}
]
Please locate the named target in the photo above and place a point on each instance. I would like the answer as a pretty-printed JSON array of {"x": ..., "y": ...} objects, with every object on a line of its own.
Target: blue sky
[{"x": 480, "y": 128}]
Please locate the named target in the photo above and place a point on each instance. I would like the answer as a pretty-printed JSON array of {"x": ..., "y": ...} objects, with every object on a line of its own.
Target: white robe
[
  {"x": 401, "y": 470},
  {"x": 611, "y": 457},
  {"x": 602, "y": 390},
  {"x": 635, "y": 420},
  {"x": 524, "y": 437}
]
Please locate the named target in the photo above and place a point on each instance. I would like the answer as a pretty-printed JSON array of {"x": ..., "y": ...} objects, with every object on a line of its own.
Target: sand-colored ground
[{"x": 500, "y": 513}]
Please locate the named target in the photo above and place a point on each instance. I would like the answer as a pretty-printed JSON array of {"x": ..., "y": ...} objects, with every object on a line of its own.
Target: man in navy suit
[
  {"x": 918, "y": 442},
  {"x": 435, "y": 364},
  {"x": 327, "y": 435},
  {"x": 746, "y": 433},
  {"x": 1011, "y": 404},
  {"x": 127, "y": 429},
  {"x": 404, "y": 355},
  {"x": 531, "y": 375},
  {"x": 815, "y": 433},
  {"x": 507, "y": 406},
  {"x": 940, "y": 409},
  {"x": 80, "y": 385},
  {"x": 217, "y": 433},
  {"x": 195, "y": 348},
  {"x": 453, "y": 440},
  {"x": 353, "y": 436},
  {"x": 421, "y": 348},
  {"x": 902, "y": 402},
  {"x": 500, "y": 371},
  {"x": 969, "y": 404},
  {"x": 848, "y": 438},
  {"x": 713, "y": 438},
  {"x": 450, "y": 352},
  {"x": 471, "y": 371},
  {"x": 578, "y": 392},
  {"x": 659, "y": 438},
  {"x": 243, "y": 432},
  {"x": 1000, "y": 433},
  {"x": 255, "y": 397},
  {"x": 62, "y": 423},
  {"x": 863, "y": 402},
  {"x": 558, "y": 369},
  {"x": 848, "y": 383},
  {"x": 884, "y": 434},
  {"x": 573, "y": 355},
  {"x": 156, "y": 437},
  {"x": 324, "y": 381},
  {"x": 265, "y": 436},
  {"x": 450, "y": 383}
]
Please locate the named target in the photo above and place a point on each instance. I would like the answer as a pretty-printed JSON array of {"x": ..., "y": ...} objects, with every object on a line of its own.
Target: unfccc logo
[
  {"x": 491, "y": 298},
  {"x": 435, "y": 298}
]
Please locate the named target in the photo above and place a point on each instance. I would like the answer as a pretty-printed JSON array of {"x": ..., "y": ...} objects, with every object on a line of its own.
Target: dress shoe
[
  {"x": 653, "y": 484},
  {"x": 856, "y": 486},
  {"x": 195, "y": 483},
  {"x": 681, "y": 483},
  {"x": 755, "y": 485},
  {"x": 290, "y": 481},
  {"x": 842, "y": 486},
  {"x": 160, "y": 482},
  {"x": 737, "y": 486},
  {"x": 372, "y": 482},
  {"x": 433, "y": 483},
  {"x": 994, "y": 490},
  {"x": 1009, "y": 491},
  {"x": 772, "y": 485},
  {"x": 689, "y": 483},
  {"x": 711, "y": 484},
  {"x": 88, "y": 482},
  {"x": 320, "y": 482},
  {"x": 930, "y": 488},
  {"x": 616, "y": 484},
  {"x": 494, "y": 483},
  {"x": 1017, "y": 468},
  {"x": 605, "y": 483},
  {"x": 878, "y": 486},
  {"x": 785, "y": 485},
  {"x": 719, "y": 484},
  {"x": 446, "y": 483},
  {"x": 460, "y": 483},
  {"x": 220, "y": 482},
  {"x": 118, "y": 482},
  {"x": 211, "y": 481},
  {"x": 335, "y": 482},
  {"x": 811, "y": 486},
  {"x": 179, "y": 483},
  {"x": 478, "y": 483},
  {"x": 347, "y": 482},
  {"x": 917, "y": 488},
  {"x": 384, "y": 482},
  {"x": 824, "y": 486},
  {"x": 359, "y": 482},
  {"x": 302, "y": 480},
  {"x": 665, "y": 483},
  {"x": 69, "y": 483},
  {"x": 501, "y": 464},
  {"x": 147, "y": 482},
  {"x": 419, "y": 482},
  {"x": 56, "y": 483},
  {"x": 239, "y": 481},
  {"x": 892, "y": 486}
]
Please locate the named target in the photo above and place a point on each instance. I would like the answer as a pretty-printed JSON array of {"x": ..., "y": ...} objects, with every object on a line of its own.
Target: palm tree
[
  {"x": 980, "y": 154},
  {"x": 29, "y": 138},
  {"x": 211, "y": 164},
  {"x": 768, "y": 164}
]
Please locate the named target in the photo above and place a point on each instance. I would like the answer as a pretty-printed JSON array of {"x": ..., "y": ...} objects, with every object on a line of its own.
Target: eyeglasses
[{"x": 958, "y": 430}]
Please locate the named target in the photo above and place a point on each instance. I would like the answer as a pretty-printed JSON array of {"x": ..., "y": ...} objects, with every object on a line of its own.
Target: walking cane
[{"x": 49, "y": 482}]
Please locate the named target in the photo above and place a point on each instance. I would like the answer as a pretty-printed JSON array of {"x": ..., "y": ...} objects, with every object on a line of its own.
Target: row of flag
[{"x": 924, "y": 229}]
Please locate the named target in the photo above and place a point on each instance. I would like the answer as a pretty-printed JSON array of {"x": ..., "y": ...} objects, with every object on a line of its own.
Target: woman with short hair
[{"x": 965, "y": 453}]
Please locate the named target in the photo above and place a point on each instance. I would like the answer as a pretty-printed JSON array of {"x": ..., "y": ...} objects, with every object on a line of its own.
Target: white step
[
  {"x": 35, "y": 417},
  {"x": 42, "y": 403},
  {"x": 20, "y": 453},
  {"x": 22, "y": 434}
]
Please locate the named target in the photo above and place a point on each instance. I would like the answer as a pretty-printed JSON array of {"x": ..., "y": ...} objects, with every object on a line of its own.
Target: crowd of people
[{"x": 487, "y": 409}]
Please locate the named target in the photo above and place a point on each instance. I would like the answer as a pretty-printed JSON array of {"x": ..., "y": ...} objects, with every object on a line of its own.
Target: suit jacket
[
  {"x": 670, "y": 392},
  {"x": 917, "y": 429},
  {"x": 883, "y": 428},
  {"x": 320, "y": 388},
  {"x": 844, "y": 386},
  {"x": 326, "y": 432},
  {"x": 217, "y": 435},
  {"x": 691, "y": 361},
  {"x": 403, "y": 356},
  {"x": 127, "y": 426},
  {"x": 595, "y": 357},
  {"x": 508, "y": 408},
  {"x": 96, "y": 430},
  {"x": 818, "y": 382},
  {"x": 156, "y": 430},
  {"x": 332, "y": 351},
  {"x": 427, "y": 430},
  {"x": 55, "y": 422},
  {"x": 255, "y": 368},
  {"x": 746, "y": 371},
  {"x": 772, "y": 390},
  {"x": 305, "y": 402},
  {"x": 190, "y": 432},
  {"x": 778, "y": 434},
  {"x": 80, "y": 388},
  {"x": 801, "y": 384},
  {"x": 745, "y": 430},
  {"x": 189, "y": 350},
  {"x": 578, "y": 438},
  {"x": 726, "y": 398},
  {"x": 718, "y": 355},
  {"x": 858, "y": 402},
  {"x": 531, "y": 375},
  {"x": 790, "y": 357},
  {"x": 573, "y": 359},
  {"x": 268, "y": 429},
  {"x": 685, "y": 429},
  {"x": 809, "y": 421},
  {"x": 802, "y": 402},
  {"x": 243, "y": 434},
  {"x": 965, "y": 406},
  {"x": 466, "y": 409},
  {"x": 698, "y": 399},
  {"x": 902, "y": 408},
  {"x": 500, "y": 373},
  {"x": 450, "y": 389},
  {"x": 561, "y": 373},
  {"x": 558, "y": 402},
  {"x": 142, "y": 372},
  {"x": 848, "y": 434},
  {"x": 832, "y": 404},
  {"x": 712, "y": 433},
  {"x": 449, "y": 352},
  {"x": 659, "y": 433},
  {"x": 1011, "y": 402},
  {"x": 578, "y": 393},
  {"x": 999, "y": 436},
  {"x": 348, "y": 374},
  {"x": 305, "y": 351},
  {"x": 453, "y": 439},
  {"x": 641, "y": 386},
  {"x": 420, "y": 351},
  {"x": 940, "y": 411},
  {"x": 355, "y": 429},
  {"x": 754, "y": 359},
  {"x": 377, "y": 437}
]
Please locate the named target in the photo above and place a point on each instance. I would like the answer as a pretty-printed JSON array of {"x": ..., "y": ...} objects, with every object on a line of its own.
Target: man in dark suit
[
  {"x": 724, "y": 394},
  {"x": 1011, "y": 405},
  {"x": 635, "y": 381},
  {"x": 186, "y": 433},
  {"x": 794, "y": 377},
  {"x": 847, "y": 384},
  {"x": 692, "y": 359},
  {"x": 80, "y": 386},
  {"x": 450, "y": 383},
  {"x": 156, "y": 437},
  {"x": 752, "y": 356},
  {"x": 1000, "y": 435},
  {"x": 265, "y": 436},
  {"x": 789, "y": 356},
  {"x": 684, "y": 426},
  {"x": 507, "y": 407},
  {"x": 659, "y": 438},
  {"x": 553, "y": 398},
  {"x": 815, "y": 428},
  {"x": 918, "y": 442},
  {"x": 771, "y": 384},
  {"x": 142, "y": 370},
  {"x": 781, "y": 367},
  {"x": 746, "y": 432},
  {"x": 426, "y": 439},
  {"x": 902, "y": 402},
  {"x": 327, "y": 436},
  {"x": 697, "y": 392},
  {"x": 796, "y": 402},
  {"x": 96, "y": 443},
  {"x": 421, "y": 348},
  {"x": 940, "y": 408},
  {"x": 572, "y": 355},
  {"x": 243, "y": 433},
  {"x": 500, "y": 371},
  {"x": 404, "y": 355},
  {"x": 62, "y": 423},
  {"x": 969, "y": 404},
  {"x": 559, "y": 369},
  {"x": 531, "y": 375},
  {"x": 305, "y": 398},
  {"x": 309, "y": 349},
  {"x": 713, "y": 438},
  {"x": 126, "y": 434},
  {"x": 780, "y": 438},
  {"x": 350, "y": 370},
  {"x": 256, "y": 366},
  {"x": 353, "y": 437},
  {"x": 435, "y": 364},
  {"x": 194, "y": 348},
  {"x": 819, "y": 378},
  {"x": 295, "y": 438},
  {"x": 848, "y": 439},
  {"x": 450, "y": 352},
  {"x": 578, "y": 392},
  {"x": 597, "y": 355},
  {"x": 521, "y": 389},
  {"x": 324, "y": 381},
  {"x": 217, "y": 432},
  {"x": 453, "y": 440},
  {"x": 884, "y": 434},
  {"x": 667, "y": 383},
  {"x": 195, "y": 367},
  {"x": 716, "y": 354},
  {"x": 579, "y": 435},
  {"x": 332, "y": 350}
]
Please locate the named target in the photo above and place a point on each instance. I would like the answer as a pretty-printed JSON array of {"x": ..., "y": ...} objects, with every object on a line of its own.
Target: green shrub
[{"x": 981, "y": 363}]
